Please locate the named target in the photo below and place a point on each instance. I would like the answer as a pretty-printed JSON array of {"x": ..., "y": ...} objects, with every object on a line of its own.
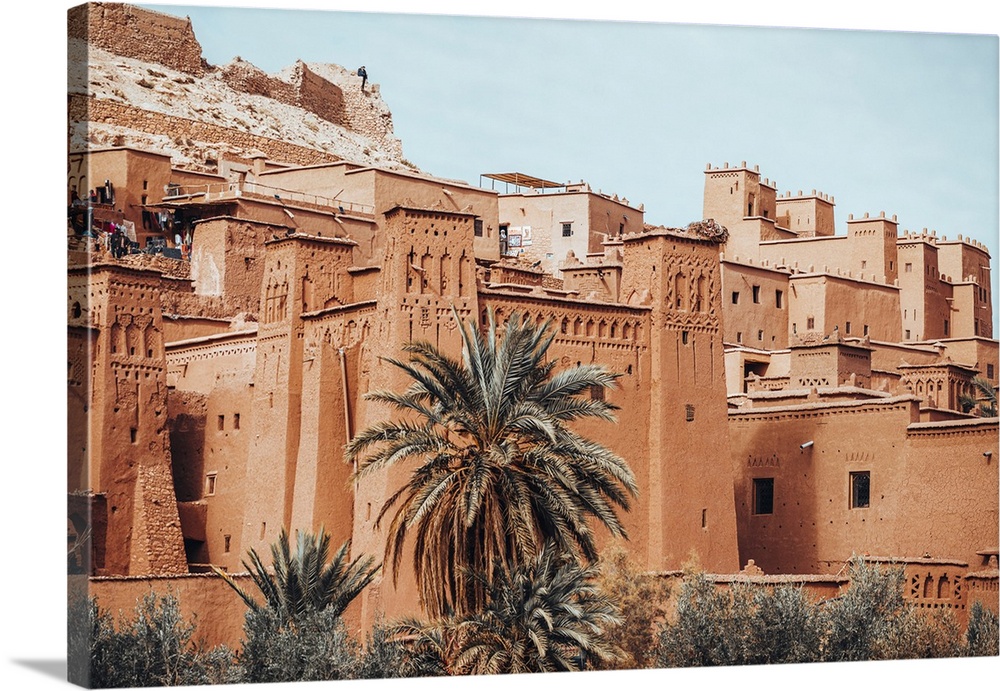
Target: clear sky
[{"x": 904, "y": 123}]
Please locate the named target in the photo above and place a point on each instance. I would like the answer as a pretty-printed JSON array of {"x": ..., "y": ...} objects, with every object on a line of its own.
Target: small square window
[
  {"x": 907, "y": 335},
  {"x": 810, "y": 323},
  {"x": 236, "y": 420},
  {"x": 860, "y": 489},
  {"x": 567, "y": 230},
  {"x": 847, "y": 327},
  {"x": 756, "y": 294},
  {"x": 739, "y": 336},
  {"x": 689, "y": 413},
  {"x": 222, "y": 422},
  {"x": 684, "y": 337},
  {"x": 477, "y": 227},
  {"x": 989, "y": 371},
  {"x": 736, "y": 297},
  {"x": 597, "y": 392},
  {"x": 210, "y": 482},
  {"x": 908, "y": 267},
  {"x": 763, "y": 496},
  {"x": 864, "y": 264}
]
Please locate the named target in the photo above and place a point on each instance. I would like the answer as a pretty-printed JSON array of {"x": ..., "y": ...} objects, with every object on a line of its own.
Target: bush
[
  {"x": 641, "y": 599},
  {"x": 153, "y": 648},
  {"x": 983, "y": 635},
  {"x": 317, "y": 648},
  {"x": 755, "y": 624}
]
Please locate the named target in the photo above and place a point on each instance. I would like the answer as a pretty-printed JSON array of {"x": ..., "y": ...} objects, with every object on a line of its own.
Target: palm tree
[
  {"x": 983, "y": 399},
  {"x": 546, "y": 616},
  {"x": 499, "y": 472},
  {"x": 307, "y": 581}
]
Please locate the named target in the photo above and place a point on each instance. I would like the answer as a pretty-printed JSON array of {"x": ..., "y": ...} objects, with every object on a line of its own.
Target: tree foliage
[
  {"x": 152, "y": 647},
  {"x": 545, "y": 616},
  {"x": 752, "y": 623},
  {"x": 983, "y": 399},
  {"x": 308, "y": 581},
  {"x": 498, "y": 470}
]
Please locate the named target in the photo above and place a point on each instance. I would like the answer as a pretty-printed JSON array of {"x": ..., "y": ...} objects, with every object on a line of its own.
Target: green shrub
[
  {"x": 983, "y": 635},
  {"x": 152, "y": 648}
]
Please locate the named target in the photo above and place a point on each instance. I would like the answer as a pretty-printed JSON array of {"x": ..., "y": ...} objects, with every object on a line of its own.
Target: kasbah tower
[{"x": 787, "y": 395}]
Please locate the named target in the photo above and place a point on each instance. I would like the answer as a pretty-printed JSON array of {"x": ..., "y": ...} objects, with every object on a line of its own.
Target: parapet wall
[
  {"x": 137, "y": 33},
  {"x": 319, "y": 96}
]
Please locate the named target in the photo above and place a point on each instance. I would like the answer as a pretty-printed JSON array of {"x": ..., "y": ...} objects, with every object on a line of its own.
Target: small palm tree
[
  {"x": 499, "y": 471},
  {"x": 983, "y": 400},
  {"x": 546, "y": 616},
  {"x": 305, "y": 582}
]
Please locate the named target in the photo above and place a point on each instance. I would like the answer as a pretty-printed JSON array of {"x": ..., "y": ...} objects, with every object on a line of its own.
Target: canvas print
[{"x": 539, "y": 370}]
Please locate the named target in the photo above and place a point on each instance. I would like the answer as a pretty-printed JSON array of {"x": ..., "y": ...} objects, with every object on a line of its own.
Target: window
[
  {"x": 736, "y": 297},
  {"x": 763, "y": 495},
  {"x": 684, "y": 337},
  {"x": 222, "y": 422},
  {"x": 866, "y": 329},
  {"x": 908, "y": 267},
  {"x": 795, "y": 328},
  {"x": 689, "y": 413},
  {"x": 739, "y": 336},
  {"x": 704, "y": 518},
  {"x": 864, "y": 264},
  {"x": 228, "y": 539},
  {"x": 597, "y": 392},
  {"x": 760, "y": 334},
  {"x": 756, "y": 294},
  {"x": 778, "y": 295},
  {"x": 989, "y": 371},
  {"x": 945, "y": 327},
  {"x": 567, "y": 230},
  {"x": 860, "y": 489},
  {"x": 907, "y": 335},
  {"x": 133, "y": 434},
  {"x": 477, "y": 227},
  {"x": 210, "y": 483},
  {"x": 847, "y": 327},
  {"x": 810, "y": 323}
]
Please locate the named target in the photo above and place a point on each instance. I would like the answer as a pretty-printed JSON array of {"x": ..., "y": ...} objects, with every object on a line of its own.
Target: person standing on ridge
[{"x": 364, "y": 76}]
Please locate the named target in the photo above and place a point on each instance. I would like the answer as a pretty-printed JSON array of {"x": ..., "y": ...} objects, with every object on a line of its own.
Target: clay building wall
[
  {"x": 806, "y": 215},
  {"x": 755, "y": 305},
  {"x": 924, "y": 299},
  {"x": 374, "y": 190},
  {"x": 128, "y": 445},
  {"x": 872, "y": 248},
  {"x": 689, "y": 507},
  {"x": 946, "y": 466},
  {"x": 794, "y": 504},
  {"x": 805, "y": 255},
  {"x": 227, "y": 261},
  {"x": 822, "y": 303},
  {"x": 319, "y": 96},
  {"x": 544, "y": 227},
  {"x": 244, "y": 76},
  {"x": 412, "y": 305},
  {"x": 137, "y": 178},
  {"x": 211, "y": 415},
  {"x": 134, "y": 32}
]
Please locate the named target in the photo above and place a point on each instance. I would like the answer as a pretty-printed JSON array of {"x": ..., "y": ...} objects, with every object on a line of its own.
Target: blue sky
[{"x": 904, "y": 123}]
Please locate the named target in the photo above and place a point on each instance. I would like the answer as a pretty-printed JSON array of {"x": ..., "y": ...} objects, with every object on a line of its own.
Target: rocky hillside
[{"x": 137, "y": 78}]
